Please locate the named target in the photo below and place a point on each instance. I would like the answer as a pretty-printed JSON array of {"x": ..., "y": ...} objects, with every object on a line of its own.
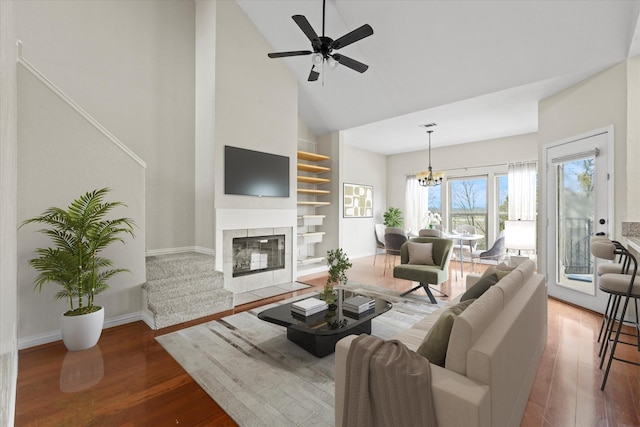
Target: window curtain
[
  {"x": 522, "y": 190},
  {"x": 416, "y": 205}
]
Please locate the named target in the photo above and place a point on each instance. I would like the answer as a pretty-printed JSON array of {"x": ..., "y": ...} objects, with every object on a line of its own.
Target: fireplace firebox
[{"x": 258, "y": 254}]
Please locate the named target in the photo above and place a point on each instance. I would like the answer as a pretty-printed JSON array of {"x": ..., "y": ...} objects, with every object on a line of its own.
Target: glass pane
[
  {"x": 502, "y": 183},
  {"x": 469, "y": 205},
  {"x": 576, "y": 207},
  {"x": 435, "y": 200}
]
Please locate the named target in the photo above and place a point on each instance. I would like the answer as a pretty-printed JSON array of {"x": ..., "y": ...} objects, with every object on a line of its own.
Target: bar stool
[
  {"x": 621, "y": 287},
  {"x": 619, "y": 267}
]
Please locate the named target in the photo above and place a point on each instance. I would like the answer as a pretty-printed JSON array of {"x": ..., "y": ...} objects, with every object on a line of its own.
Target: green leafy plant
[
  {"x": 393, "y": 217},
  {"x": 338, "y": 263},
  {"x": 79, "y": 234}
]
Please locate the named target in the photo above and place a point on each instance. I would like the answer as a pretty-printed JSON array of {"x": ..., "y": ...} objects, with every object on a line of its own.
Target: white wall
[
  {"x": 205, "y": 229},
  {"x": 632, "y": 198},
  {"x": 595, "y": 103},
  {"x": 256, "y": 107},
  {"x": 8, "y": 221},
  {"x": 367, "y": 168},
  {"x": 61, "y": 156},
  {"x": 131, "y": 65},
  {"x": 454, "y": 159},
  {"x": 256, "y": 104}
]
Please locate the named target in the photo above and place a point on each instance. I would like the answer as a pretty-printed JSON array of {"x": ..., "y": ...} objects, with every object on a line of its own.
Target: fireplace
[
  {"x": 258, "y": 254},
  {"x": 278, "y": 253}
]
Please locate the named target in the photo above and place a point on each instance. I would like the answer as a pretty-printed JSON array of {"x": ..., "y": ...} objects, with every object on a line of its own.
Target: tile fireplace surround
[{"x": 263, "y": 279}]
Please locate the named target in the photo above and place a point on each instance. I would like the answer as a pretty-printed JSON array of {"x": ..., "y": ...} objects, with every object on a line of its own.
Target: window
[
  {"x": 502, "y": 201},
  {"x": 468, "y": 205}
]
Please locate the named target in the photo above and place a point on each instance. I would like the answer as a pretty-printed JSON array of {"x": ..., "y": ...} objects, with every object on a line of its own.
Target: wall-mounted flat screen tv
[{"x": 254, "y": 173}]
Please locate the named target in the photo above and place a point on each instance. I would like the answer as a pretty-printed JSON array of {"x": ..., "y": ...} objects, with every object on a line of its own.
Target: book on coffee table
[
  {"x": 358, "y": 304},
  {"x": 309, "y": 306}
]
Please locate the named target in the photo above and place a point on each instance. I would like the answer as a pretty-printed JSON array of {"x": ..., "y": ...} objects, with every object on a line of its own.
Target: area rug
[{"x": 262, "y": 379}]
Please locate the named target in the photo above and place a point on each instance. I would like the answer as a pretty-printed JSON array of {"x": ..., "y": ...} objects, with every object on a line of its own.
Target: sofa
[{"x": 492, "y": 357}]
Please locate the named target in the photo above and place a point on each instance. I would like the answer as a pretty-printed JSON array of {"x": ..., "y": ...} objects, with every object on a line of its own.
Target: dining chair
[
  {"x": 429, "y": 232},
  {"x": 378, "y": 230},
  {"x": 392, "y": 244},
  {"x": 496, "y": 253}
]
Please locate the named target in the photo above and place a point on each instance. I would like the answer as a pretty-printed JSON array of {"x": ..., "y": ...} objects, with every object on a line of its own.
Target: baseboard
[
  {"x": 52, "y": 336},
  {"x": 171, "y": 251},
  {"x": 148, "y": 319}
]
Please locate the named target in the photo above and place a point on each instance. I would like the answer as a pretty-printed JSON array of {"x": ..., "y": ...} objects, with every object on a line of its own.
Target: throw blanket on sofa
[{"x": 387, "y": 385}]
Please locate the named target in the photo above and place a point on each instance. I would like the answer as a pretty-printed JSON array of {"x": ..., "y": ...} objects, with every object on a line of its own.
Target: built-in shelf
[
  {"x": 312, "y": 168},
  {"x": 313, "y": 203},
  {"x": 310, "y": 260},
  {"x": 313, "y": 191},
  {"x": 308, "y": 221},
  {"x": 312, "y": 157},
  {"x": 312, "y": 237},
  {"x": 311, "y": 219},
  {"x": 313, "y": 180}
]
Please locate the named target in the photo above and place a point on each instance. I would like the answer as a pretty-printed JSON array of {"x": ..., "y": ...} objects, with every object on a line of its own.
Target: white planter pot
[{"x": 82, "y": 332}]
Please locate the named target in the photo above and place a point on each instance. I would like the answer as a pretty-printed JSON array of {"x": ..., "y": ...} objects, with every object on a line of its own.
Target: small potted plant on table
[
  {"x": 79, "y": 233},
  {"x": 338, "y": 263}
]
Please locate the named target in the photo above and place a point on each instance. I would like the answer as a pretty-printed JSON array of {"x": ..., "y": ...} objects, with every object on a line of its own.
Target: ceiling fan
[{"x": 323, "y": 46}]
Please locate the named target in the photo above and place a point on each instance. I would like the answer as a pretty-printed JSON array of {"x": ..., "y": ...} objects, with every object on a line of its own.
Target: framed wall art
[{"x": 358, "y": 201}]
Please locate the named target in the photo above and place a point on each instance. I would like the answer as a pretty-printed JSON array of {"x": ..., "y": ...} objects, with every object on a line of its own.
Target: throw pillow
[
  {"x": 480, "y": 287},
  {"x": 420, "y": 253},
  {"x": 502, "y": 267},
  {"x": 434, "y": 346}
]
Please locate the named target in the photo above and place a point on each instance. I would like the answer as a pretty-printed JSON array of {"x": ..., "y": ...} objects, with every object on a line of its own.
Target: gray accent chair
[
  {"x": 496, "y": 253},
  {"x": 426, "y": 275}
]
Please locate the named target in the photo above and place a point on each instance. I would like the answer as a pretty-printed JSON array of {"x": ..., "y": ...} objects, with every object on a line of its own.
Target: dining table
[{"x": 461, "y": 238}]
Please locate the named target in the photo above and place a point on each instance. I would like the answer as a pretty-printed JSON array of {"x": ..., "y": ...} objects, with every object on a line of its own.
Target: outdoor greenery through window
[
  {"x": 468, "y": 205},
  {"x": 502, "y": 190}
]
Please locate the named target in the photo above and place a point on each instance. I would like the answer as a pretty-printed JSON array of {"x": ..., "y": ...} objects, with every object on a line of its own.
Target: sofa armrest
[
  {"x": 458, "y": 400},
  {"x": 471, "y": 279}
]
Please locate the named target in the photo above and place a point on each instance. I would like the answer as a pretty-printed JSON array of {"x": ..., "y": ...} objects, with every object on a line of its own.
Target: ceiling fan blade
[
  {"x": 292, "y": 53},
  {"x": 306, "y": 28},
  {"x": 313, "y": 75},
  {"x": 352, "y": 37},
  {"x": 351, "y": 63}
]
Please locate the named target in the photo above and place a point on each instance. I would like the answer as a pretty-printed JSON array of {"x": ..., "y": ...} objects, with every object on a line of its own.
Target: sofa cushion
[
  {"x": 469, "y": 325},
  {"x": 510, "y": 285},
  {"x": 502, "y": 269},
  {"x": 480, "y": 287},
  {"x": 434, "y": 345},
  {"x": 420, "y": 253}
]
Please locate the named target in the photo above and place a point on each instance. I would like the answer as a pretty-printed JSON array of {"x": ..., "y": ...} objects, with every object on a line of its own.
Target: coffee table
[{"x": 319, "y": 333}]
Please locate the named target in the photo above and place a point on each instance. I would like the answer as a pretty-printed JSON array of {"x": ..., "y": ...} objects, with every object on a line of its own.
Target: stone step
[
  {"x": 165, "y": 319},
  {"x": 183, "y": 287},
  {"x": 186, "y": 302},
  {"x": 186, "y": 283},
  {"x": 188, "y": 288},
  {"x": 173, "y": 265}
]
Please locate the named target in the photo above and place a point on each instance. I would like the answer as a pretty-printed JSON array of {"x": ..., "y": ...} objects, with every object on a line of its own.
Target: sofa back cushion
[
  {"x": 469, "y": 325},
  {"x": 435, "y": 343}
]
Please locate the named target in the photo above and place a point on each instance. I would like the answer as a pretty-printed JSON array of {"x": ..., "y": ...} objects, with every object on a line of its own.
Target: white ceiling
[{"x": 477, "y": 68}]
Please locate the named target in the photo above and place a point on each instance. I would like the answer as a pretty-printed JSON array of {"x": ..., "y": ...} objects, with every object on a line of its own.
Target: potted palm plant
[{"x": 79, "y": 234}]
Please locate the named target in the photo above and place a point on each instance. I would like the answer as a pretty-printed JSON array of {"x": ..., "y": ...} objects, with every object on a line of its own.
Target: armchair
[{"x": 422, "y": 273}]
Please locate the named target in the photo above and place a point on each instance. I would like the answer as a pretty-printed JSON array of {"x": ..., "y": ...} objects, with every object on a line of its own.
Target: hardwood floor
[{"x": 142, "y": 385}]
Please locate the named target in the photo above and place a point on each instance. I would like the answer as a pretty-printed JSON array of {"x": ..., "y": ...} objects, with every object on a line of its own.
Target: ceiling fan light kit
[{"x": 323, "y": 47}]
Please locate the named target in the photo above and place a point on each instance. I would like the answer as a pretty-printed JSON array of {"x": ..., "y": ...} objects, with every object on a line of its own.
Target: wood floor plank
[{"x": 143, "y": 386}]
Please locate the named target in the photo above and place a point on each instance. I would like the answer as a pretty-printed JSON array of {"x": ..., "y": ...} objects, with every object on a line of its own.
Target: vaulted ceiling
[{"x": 477, "y": 68}]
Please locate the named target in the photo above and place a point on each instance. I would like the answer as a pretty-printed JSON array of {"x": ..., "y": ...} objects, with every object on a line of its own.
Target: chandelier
[{"x": 429, "y": 178}]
